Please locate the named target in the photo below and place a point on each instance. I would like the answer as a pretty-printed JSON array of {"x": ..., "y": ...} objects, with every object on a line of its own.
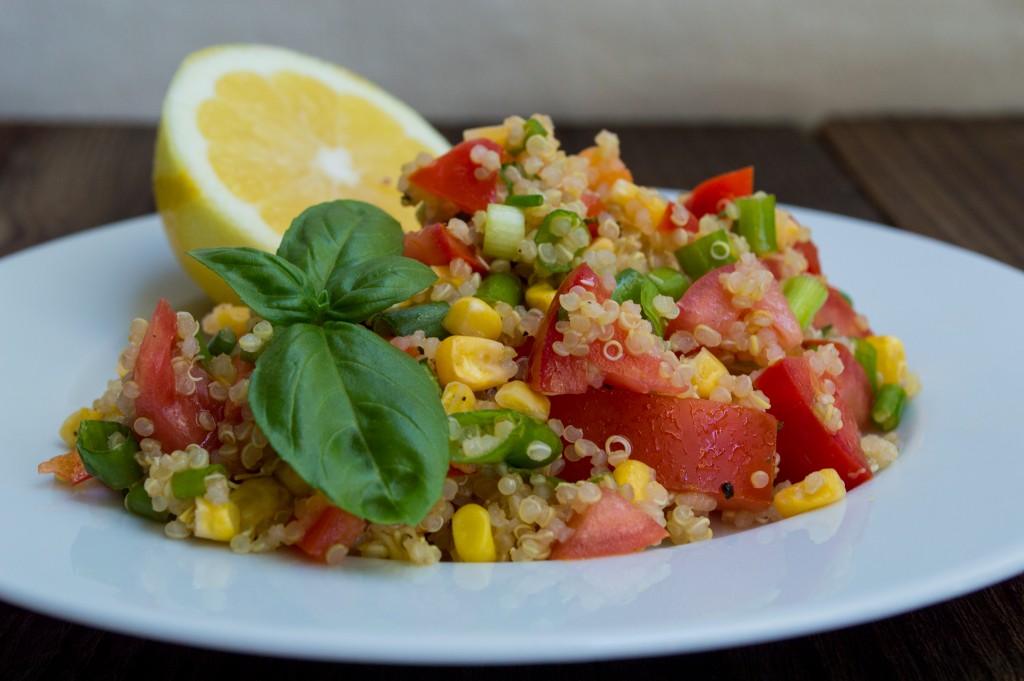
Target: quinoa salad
[{"x": 560, "y": 364}]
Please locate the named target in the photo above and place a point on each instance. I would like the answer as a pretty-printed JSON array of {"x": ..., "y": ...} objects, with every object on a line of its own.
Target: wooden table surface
[{"x": 961, "y": 181}]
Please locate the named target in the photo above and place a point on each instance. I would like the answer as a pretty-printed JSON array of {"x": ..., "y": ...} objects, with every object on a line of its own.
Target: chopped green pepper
[
  {"x": 223, "y": 342},
  {"x": 631, "y": 285},
  {"x": 501, "y": 286},
  {"x": 138, "y": 501},
  {"x": 495, "y": 435},
  {"x": 757, "y": 222},
  {"x": 560, "y": 238},
  {"x": 524, "y": 200},
  {"x": 113, "y": 463},
  {"x": 192, "y": 482},
  {"x": 405, "y": 321},
  {"x": 670, "y": 282},
  {"x": 867, "y": 356},
  {"x": 889, "y": 405},
  {"x": 805, "y": 294},
  {"x": 707, "y": 253}
]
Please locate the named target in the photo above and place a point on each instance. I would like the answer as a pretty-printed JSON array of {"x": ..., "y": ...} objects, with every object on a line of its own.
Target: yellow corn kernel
[
  {"x": 287, "y": 476},
  {"x": 219, "y": 522},
  {"x": 225, "y": 315},
  {"x": 471, "y": 316},
  {"x": 787, "y": 230},
  {"x": 480, "y": 363},
  {"x": 636, "y": 474},
  {"x": 892, "y": 360},
  {"x": 706, "y": 371},
  {"x": 495, "y": 133},
  {"x": 457, "y": 398},
  {"x": 445, "y": 276},
  {"x": 471, "y": 531},
  {"x": 540, "y": 295},
  {"x": 624, "y": 191},
  {"x": 69, "y": 429},
  {"x": 260, "y": 502},
  {"x": 601, "y": 243},
  {"x": 818, "y": 489},
  {"x": 521, "y": 397}
]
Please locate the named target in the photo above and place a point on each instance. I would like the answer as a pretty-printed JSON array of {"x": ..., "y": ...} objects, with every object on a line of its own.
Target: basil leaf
[
  {"x": 274, "y": 288},
  {"x": 331, "y": 236},
  {"x": 632, "y": 285},
  {"x": 357, "y": 418},
  {"x": 115, "y": 466},
  {"x": 405, "y": 321},
  {"x": 357, "y": 292}
]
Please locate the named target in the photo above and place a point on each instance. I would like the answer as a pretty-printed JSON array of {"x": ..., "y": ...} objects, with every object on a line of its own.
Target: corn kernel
[
  {"x": 602, "y": 243},
  {"x": 219, "y": 522},
  {"x": 69, "y": 429},
  {"x": 445, "y": 276},
  {"x": 225, "y": 315},
  {"x": 471, "y": 316},
  {"x": 521, "y": 397},
  {"x": 892, "y": 360},
  {"x": 260, "y": 501},
  {"x": 540, "y": 296},
  {"x": 287, "y": 476},
  {"x": 480, "y": 363},
  {"x": 457, "y": 398},
  {"x": 495, "y": 133},
  {"x": 818, "y": 489},
  {"x": 471, "y": 531},
  {"x": 636, "y": 474},
  {"x": 706, "y": 371}
]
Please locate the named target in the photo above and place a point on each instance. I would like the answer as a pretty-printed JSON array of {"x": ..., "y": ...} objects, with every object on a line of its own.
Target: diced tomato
[
  {"x": 708, "y": 302},
  {"x": 805, "y": 445},
  {"x": 694, "y": 445},
  {"x": 609, "y": 527},
  {"x": 452, "y": 177},
  {"x": 840, "y": 315},
  {"x": 707, "y": 197},
  {"x": 175, "y": 417},
  {"x": 66, "y": 468},
  {"x": 551, "y": 373},
  {"x": 334, "y": 526},
  {"x": 810, "y": 252},
  {"x": 608, "y": 169},
  {"x": 853, "y": 384},
  {"x": 435, "y": 245},
  {"x": 666, "y": 224}
]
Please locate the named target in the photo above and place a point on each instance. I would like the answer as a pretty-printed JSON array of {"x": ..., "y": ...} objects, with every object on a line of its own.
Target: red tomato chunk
[
  {"x": 610, "y": 527},
  {"x": 435, "y": 245},
  {"x": 333, "y": 527},
  {"x": 452, "y": 177},
  {"x": 710, "y": 195},
  {"x": 693, "y": 445}
]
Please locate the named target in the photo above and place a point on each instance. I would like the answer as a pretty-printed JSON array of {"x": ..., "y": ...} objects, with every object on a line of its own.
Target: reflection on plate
[{"x": 901, "y": 541}]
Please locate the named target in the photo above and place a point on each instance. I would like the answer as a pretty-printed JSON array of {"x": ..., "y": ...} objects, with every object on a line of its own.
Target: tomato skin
[
  {"x": 804, "y": 444},
  {"x": 840, "y": 315},
  {"x": 175, "y": 417},
  {"x": 333, "y": 526},
  {"x": 707, "y": 196},
  {"x": 66, "y": 468},
  {"x": 611, "y": 526},
  {"x": 435, "y": 245},
  {"x": 853, "y": 384},
  {"x": 666, "y": 225},
  {"x": 452, "y": 177},
  {"x": 810, "y": 252},
  {"x": 694, "y": 445},
  {"x": 708, "y": 302},
  {"x": 550, "y": 373}
]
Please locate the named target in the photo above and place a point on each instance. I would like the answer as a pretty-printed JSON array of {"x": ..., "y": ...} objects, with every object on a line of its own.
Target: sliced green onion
[
  {"x": 707, "y": 253},
  {"x": 114, "y": 464},
  {"x": 495, "y": 435},
  {"x": 889, "y": 405},
  {"x": 223, "y": 342},
  {"x": 533, "y": 127},
  {"x": 504, "y": 229},
  {"x": 501, "y": 286},
  {"x": 631, "y": 285},
  {"x": 405, "y": 321},
  {"x": 757, "y": 222},
  {"x": 867, "y": 356},
  {"x": 670, "y": 282},
  {"x": 525, "y": 200},
  {"x": 204, "y": 352},
  {"x": 806, "y": 295},
  {"x": 138, "y": 501},
  {"x": 560, "y": 238},
  {"x": 192, "y": 482}
]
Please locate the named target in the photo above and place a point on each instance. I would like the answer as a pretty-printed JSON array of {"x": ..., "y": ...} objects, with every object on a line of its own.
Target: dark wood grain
[{"x": 960, "y": 182}]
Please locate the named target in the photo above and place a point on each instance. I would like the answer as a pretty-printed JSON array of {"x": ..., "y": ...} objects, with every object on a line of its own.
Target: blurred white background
[{"x": 579, "y": 60}]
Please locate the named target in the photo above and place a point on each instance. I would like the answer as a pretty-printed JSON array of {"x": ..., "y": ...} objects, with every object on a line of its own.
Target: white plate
[{"x": 939, "y": 523}]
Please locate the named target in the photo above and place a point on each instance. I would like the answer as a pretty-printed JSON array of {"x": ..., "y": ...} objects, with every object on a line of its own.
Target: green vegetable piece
[
  {"x": 138, "y": 501},
  {"x": 532, "y": 128},
  {"x": 496, "y": 435},
  {"x": 805, "y": 294},
  {"x": 501, "y": 286},
  {"x": 504, "y": 229},
  {"x": 707, "y": 253},
  {"x": 426, "y": 317},
  {"x": 192, "y": 482},
  {"x": 223, "y": 342},
  {"x": 889, "y": 404},
  {"x": 114, "y": 464},
  {"x": 867, "y": 356},
  {"x": 524, "y": 200},
  {"x": 560, "y": 238},
  {"x": 204, "y": 350},
  {"x": 757, "y": 222},
  {"x": 357, "y": 418},
  {"x": 361, "y": 290},
  {"x": 670, "y": 282},
  {"x": 631, "y": 285}
]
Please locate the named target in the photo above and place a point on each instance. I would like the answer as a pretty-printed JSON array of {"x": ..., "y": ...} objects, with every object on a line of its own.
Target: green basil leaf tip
[
  {"x": 274, "y": 288},
  {"x": 359, "y": 291},
  {"x": 325, "y": 398}
]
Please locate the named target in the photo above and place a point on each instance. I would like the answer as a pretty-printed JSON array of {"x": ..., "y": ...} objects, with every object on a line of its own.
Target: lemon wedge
[{"x": 250, "y": 136}]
